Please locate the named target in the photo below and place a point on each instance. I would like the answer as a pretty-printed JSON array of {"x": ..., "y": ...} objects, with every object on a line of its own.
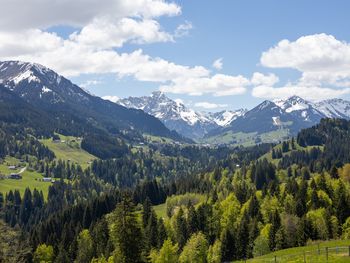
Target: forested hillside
[{"x": 172, "y": 203}]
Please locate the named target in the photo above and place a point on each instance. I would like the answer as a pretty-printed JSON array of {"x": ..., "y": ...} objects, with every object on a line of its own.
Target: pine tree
[
  {"x": 100, "y": 237},
  {"x": 162, "y": 234},
  {"x": 180, "y": 228},
  {"x": 273, "y": 154},
  {"x": 334, "y": 172},
  {"x": 243, "y": 237},
  {"x": 146, "y": 212},
  {"x": 228, "y": 245},
  {"x": 280, "y": 239},
  {"x": 275, "y": 225},
  {"x": 26, "y": 207},
  {"x": 192, "y": 220},
  {"x": 151, "y": 231},
  {"x": 125, "y": 232}
]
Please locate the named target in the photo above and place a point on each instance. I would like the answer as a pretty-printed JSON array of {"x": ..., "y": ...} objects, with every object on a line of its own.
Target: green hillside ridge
[{"x": 338, "y": 251}]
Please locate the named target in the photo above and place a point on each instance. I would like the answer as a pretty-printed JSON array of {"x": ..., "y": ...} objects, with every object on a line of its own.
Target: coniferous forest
[{"x": 177, "y": 203}]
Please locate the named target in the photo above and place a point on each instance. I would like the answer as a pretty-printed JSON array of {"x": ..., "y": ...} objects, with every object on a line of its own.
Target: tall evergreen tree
[{"x": 126, "y": 232}]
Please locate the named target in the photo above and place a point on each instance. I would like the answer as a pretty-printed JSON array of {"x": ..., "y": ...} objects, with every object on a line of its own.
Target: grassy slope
[
  {"x": 160, "y": 210},
  {"x": 311, "y": 253},
  {"x": 29, "y": 179},
  {"x": 69, "y": 150}
]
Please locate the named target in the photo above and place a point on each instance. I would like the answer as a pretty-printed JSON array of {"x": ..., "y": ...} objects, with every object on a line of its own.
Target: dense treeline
[
  {"x": 328, "y": 147},
  {"x": 16, "y": 142},
  {"x": 104, "y": 146}
]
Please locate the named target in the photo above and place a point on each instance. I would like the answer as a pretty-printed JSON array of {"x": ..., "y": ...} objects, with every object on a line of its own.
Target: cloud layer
[
  {"x": 103, "y": 29},
  {"x": 209, "y": 105},
  {"x": 323, "y": 61}
]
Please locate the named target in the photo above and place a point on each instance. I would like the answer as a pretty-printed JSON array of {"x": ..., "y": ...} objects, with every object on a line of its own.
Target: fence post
[
  {"x": 318, "y": 247},
  {"x": 326, "y": 254},
  {"x": 304, "y": 257},
  {"x": 275, "y": 259},
  {"x": 349, "y": 251}
]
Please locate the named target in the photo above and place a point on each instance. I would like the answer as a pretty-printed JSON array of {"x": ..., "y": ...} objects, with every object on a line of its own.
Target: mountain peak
[
  {"x": 266, "y": 104},
  {"x": 18, "y": 71},
  {"x": 293, "y": 103},
  {"x": 158, "y": 94}
]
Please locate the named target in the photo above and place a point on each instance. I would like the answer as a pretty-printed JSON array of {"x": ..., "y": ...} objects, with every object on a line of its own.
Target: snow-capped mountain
[
  {"x": 35, "y": 82},
  {"x": 164, "y": 108},
  {"x": 300, "y": 108},
  {"x": 225, "y": 118},
  {"x": 334, "y": 108},
  {"x": 290, "y": 115},
  {"x": 176, "y": 116},
  {"x": 70, "y": 107}
]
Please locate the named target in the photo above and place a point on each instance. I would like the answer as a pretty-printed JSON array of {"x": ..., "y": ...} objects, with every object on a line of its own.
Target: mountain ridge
[
  {"x": 73, "y": 109},
  {"x": 177, "y": 116},
  {"x": 293, "y": 113}
]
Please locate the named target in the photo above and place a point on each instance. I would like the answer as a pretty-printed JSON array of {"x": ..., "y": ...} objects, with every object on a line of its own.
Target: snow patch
[
  {"x": 46, "y": 89},
  {"x": 276, "y": 121},
  {"x": 27, "y": 75}
]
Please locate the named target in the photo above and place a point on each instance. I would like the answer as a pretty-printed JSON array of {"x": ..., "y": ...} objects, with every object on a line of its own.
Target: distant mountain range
[
  {"x": 41, "y": 98},
  {"x": 176, "y": 116},
  {"x": 290, "y": 115}
]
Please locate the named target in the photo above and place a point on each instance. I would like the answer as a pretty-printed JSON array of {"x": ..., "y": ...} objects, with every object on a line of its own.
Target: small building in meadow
[
  {"x": 12, "y": 167},
  {"x": 15, "y": 176},
  {"x": 47, "y": 179}
]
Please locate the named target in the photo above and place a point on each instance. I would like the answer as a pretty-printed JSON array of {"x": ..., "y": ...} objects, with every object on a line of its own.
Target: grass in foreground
[{"x": 338, "y": 251}]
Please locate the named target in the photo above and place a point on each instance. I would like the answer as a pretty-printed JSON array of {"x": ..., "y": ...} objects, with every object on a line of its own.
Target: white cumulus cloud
[
  {"x": 324, "y": 63},
  {"x": 218, "y": 85},
  {"x": 111, "y": 98},
  {"x": 43, "y": 14},
  {"x": 209, "y": 105},
  {"x": 321, "y": 58},
  {"x": 309, "y": 93},
  {"x": 260, "y": 79},
  {"x": 218, "y": 64},
  {"x": 104, "y": 27}
]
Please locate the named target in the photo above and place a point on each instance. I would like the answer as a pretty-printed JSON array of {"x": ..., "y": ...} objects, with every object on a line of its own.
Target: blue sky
[{"x": 311, "y": 63}]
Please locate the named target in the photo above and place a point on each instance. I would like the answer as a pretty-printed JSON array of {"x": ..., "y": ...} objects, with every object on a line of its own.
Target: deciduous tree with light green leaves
[
  {"x": 167, "y": 254},
  {"x": 43, "y": 254},
  {"x": 195, "y": 250},
  {"x": 85, "y": 247},
  {"x": 214, "y": 252}
]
